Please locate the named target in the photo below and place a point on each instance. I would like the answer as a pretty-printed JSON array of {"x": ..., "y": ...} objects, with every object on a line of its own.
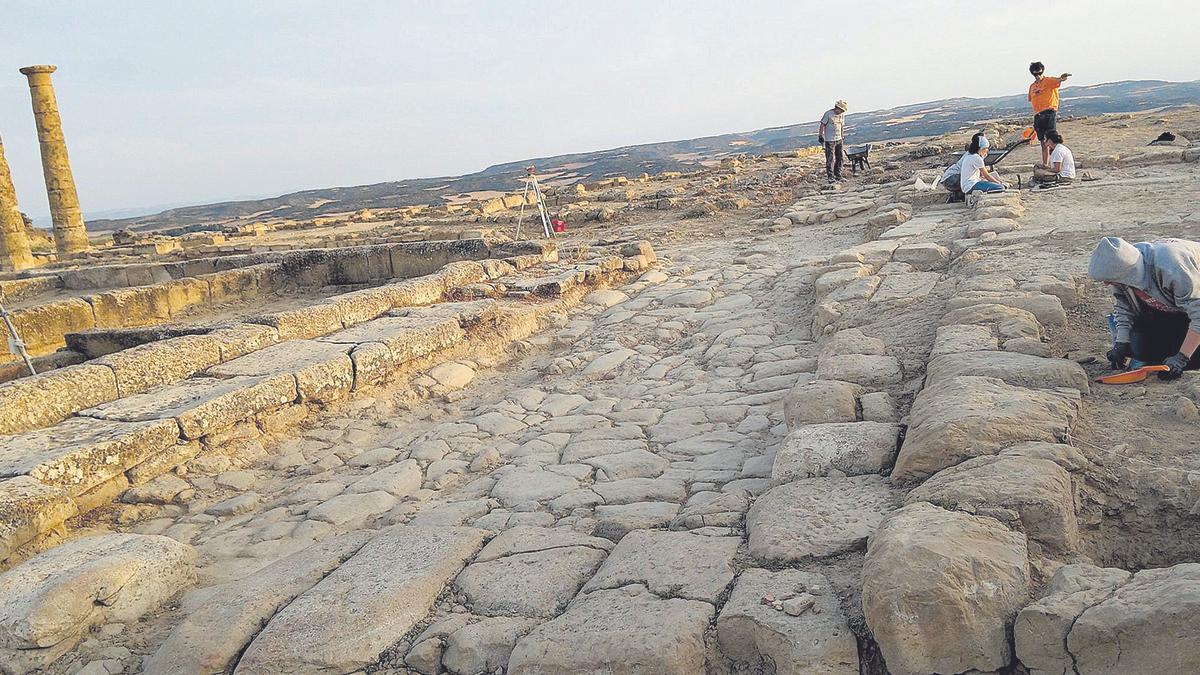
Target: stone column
[
  {"x": 14, "y": 244},
  {"x": 69, "y": 233}
]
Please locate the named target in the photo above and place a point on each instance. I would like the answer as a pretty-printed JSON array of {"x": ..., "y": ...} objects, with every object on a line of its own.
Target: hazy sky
[{"x": 166, "y": 102}]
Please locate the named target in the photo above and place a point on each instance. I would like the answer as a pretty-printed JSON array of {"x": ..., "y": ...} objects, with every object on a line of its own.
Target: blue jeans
[{"x": 987, "y": 186}]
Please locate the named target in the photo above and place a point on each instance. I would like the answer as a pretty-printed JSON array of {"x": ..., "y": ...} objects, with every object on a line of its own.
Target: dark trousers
[
  {"x": 1157, "y": 336},
  {"x": 833, "y": 159}
]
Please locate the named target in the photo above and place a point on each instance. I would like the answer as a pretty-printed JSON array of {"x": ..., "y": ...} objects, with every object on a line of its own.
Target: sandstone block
[
  {"x": 1041, "y": 629},
  {"x": 817, "y": 517},
  {"x": 852, "y": 341},
  {"x": 1010, "y": 322},
  {"x": 1031, "y": 495},
  {"x": 1145, "y": 627},
  {"x": 831, "y": 281},
  {"x": 27, "y": 509},
  {"x": 136, "y": 306},
  {"x": 242, "y": 338},
  {"x": 81, "y": 453},
  {"x": 185, "y": 294},
  {"x": 43, "y": 326},
  {"x": 1047, "y": 308},
  {"x": 323, "y": 370},
  {"x": 46, "y": 398},
  {"x": 821, "y": 401},
  {"x": 407, "y": 337},
  {"x": 201, "y": 405},
  {"x": 967, "y": 416},
  {"x": 941, "y": 588},
  {"x": 1013, "y": 368},
  {"x": 52, "y": 599},
  {"x": 303, "y": 323},
  {"x": 923, "y": 256},
  {"x": 155, "y": 364},
  {"x": 957, "y": 338},
  {"x": 853, "y": 448},
  {"x": 757, "y": 636},
  {"x": 365, "y": 605},
  {"x": 617, "y": 632}
]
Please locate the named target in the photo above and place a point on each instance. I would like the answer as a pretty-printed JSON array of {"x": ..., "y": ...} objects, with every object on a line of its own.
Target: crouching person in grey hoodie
[{"x": 1156, "y": 301}]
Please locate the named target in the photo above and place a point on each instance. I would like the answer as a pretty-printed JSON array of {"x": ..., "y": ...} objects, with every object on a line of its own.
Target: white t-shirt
[
  {"x": 1063, "y": 154},
  {"x": 833, "y": 125},
  {"x": 971, "y": 165}
]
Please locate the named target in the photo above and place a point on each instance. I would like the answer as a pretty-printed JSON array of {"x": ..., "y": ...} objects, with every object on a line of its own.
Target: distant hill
[{"x": 920, "y": 119}]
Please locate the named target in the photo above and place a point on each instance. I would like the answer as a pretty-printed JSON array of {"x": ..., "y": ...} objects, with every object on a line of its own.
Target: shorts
[{"x": 1045, "y": 122}]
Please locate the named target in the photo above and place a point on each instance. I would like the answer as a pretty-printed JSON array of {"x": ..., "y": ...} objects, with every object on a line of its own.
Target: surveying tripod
[{"x": 531, "y": 182}]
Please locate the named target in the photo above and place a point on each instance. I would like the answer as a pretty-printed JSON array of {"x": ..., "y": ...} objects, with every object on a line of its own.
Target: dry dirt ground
[{"x": 697, "y": 355}]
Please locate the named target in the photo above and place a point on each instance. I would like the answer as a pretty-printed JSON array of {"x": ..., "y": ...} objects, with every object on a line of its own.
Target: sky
[{"x": 167, "y": 103}]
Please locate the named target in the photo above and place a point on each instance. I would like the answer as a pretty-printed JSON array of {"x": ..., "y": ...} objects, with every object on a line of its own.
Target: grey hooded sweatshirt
[{"x": 1167, "y": 270}]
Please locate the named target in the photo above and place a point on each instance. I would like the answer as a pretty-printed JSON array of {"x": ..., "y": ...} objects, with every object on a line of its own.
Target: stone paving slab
[
  {"x": 618, "y": 632},
  {"x": 82, "y": 452},
  {"x": 669, "y": 564},
  {"x": 817, "y": 517},
  {"x": 210, "y": 638},
  {"x": 757, "y": 636},
  {"x": 366, "y": 605},
  {"x": 201, "y": 405}
]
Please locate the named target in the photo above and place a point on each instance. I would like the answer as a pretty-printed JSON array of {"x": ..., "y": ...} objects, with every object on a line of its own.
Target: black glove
[
  {"x": 1117, "y": 355},
  {"x": 821, "y": 140},
  {"x": 1176, "y": 364}
]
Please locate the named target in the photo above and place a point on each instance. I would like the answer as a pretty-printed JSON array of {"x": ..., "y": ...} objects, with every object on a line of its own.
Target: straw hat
[{"x": 841, "y": 103}]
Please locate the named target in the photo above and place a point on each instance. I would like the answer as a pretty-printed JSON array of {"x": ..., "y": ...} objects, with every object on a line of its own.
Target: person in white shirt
[
  {"x": 975, "y": 176},
  {"x": 1062, "y": 162},
  {"x": 830, "y": 136}
]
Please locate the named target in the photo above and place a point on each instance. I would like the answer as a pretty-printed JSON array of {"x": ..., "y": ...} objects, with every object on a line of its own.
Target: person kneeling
[
  {"x": 974, "y": 175},
  {"x": 1062, "y": 162},
  {"x": 1156, "y": 302}
]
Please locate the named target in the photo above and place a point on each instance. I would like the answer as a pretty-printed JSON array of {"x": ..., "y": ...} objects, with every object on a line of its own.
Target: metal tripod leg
[
  {"x": 541, "y": 204},
  {"x": 521, "y": 213}
]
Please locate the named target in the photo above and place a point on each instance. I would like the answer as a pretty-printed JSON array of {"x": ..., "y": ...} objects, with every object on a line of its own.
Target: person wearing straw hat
[
  {"x": 830, "y": 135},
  {"x": 1156, "y": 302}
]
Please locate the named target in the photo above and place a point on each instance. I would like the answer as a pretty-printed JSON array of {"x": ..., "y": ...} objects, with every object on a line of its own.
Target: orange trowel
[{"x": 1129, "y": 377}]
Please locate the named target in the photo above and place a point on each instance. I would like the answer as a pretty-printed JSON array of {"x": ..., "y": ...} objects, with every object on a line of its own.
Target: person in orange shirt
[{"x": 1043, "y": 96}]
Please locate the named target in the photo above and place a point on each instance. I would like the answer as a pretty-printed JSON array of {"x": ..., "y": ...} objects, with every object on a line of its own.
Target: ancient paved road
[{"x": 652, "y": 406}]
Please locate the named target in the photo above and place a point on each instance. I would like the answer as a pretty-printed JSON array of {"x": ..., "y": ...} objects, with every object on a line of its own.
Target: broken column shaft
[
  {"x": 69, "y": 233},
  {"x": 14, "y": 243}
]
